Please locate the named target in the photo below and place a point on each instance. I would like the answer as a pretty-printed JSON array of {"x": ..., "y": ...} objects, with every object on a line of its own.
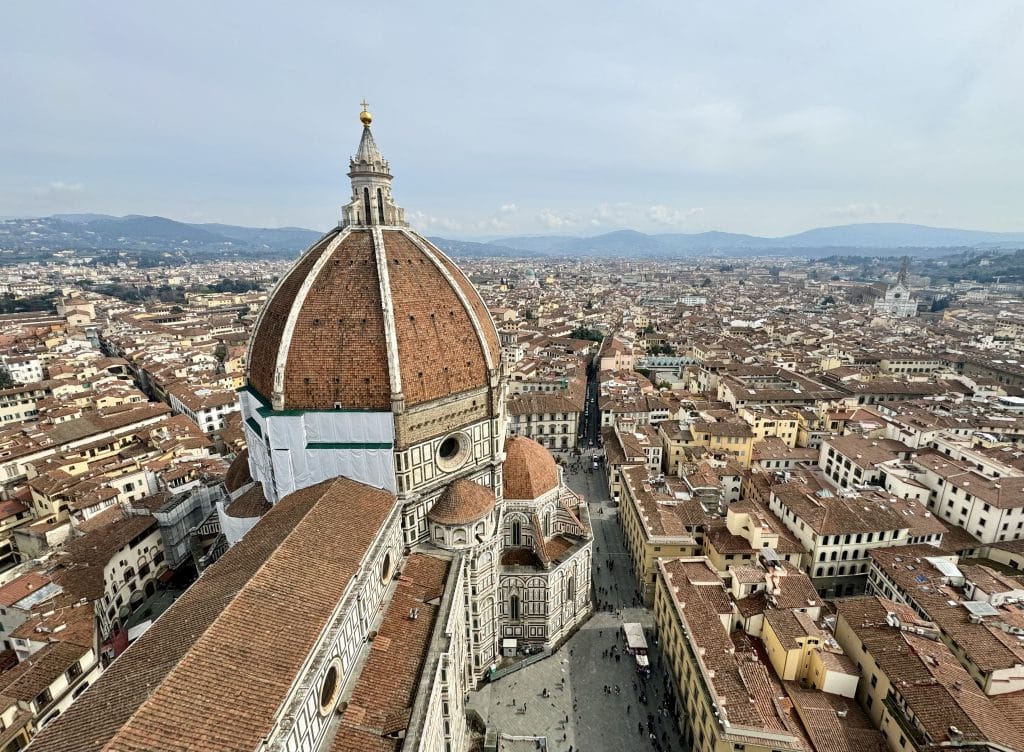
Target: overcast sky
[{"x": 520, "y": 117}]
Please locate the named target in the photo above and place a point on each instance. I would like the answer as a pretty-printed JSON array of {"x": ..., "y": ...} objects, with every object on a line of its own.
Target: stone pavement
[{"x": 579, "y": 713}]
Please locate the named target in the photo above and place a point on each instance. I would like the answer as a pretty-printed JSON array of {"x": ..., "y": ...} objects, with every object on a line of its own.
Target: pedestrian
[
  {"x": 628, "y": 708},
  {"x": 618, "y": 658}
]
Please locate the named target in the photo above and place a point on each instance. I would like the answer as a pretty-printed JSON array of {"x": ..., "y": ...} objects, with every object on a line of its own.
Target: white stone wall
[
  {"x": 445, "y": 717},
  {"x": 65, "y": 690},
  {"x": 301, "y": 723},
  {"x": 422, "y": 476},
  {"x": 131, "y": 570}
]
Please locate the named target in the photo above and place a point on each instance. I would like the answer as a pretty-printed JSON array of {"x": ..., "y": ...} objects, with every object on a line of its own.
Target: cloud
[
  {"x": 430, "y": 223},
  {"x": 507, "y": 208},
  {"x": 495, "y": 224},
  {"x": 553, "y": 219},
  {"x": 869, "y": 212},
  {"x": 623, "y": 214},
  {"x": 58, "y": 190},
  {"x": 666, "y": 216},
  {"x": 816, "y": 125}
]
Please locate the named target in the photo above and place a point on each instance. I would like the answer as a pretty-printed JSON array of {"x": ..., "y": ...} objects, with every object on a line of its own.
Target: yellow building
[
  {"x": 725, "y": 438},
  {"x": 768, "y": 422},
  {"x": 726, "y": 697},
  {"x": 684, "y": 441},
  {"x": 913, "y": 687},
  {"x": 797, "y": 650},
  {"x": 659, "y": 519},
  {"x": 748, "y": 530}
]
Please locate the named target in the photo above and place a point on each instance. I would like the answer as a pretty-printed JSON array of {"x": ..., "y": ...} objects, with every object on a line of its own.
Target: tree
[
  {"x": 11, "y": 304},
  {"x": 828, "y": 300},
  {"x": 6, "y": 380},
  {"x": 220, "y": 352},
  {"x": 582, "y": 332},
  {"x": 706, "y": 282},
  {"x": 940, "y": 304}
]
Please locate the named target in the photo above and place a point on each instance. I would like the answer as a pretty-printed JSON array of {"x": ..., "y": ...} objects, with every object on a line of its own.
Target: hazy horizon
[{"x": 526, "y": 120}]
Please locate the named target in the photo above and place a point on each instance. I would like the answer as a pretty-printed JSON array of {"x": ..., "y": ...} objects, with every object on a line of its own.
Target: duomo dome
[{"x": 371, "y": 313}]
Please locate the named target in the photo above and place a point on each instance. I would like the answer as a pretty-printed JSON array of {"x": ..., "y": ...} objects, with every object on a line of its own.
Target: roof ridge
[{"x": 312, "y": 500}]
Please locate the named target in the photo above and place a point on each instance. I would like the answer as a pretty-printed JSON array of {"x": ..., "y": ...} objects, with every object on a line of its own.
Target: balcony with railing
[{"x": 906, "y": 724}]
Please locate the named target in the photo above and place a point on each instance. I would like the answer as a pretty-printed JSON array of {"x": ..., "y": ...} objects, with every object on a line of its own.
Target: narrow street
[{"x": 577, "y": 675}]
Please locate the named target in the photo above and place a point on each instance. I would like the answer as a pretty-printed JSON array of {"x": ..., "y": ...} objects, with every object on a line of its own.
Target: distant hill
[
  {"x": 158, "y": 240},
  {"x": 466, "y": 248},
  {"x": 897, "y": 235},
  {"x": 148, "y": 237},
  {"x": 857, "y": 239}
]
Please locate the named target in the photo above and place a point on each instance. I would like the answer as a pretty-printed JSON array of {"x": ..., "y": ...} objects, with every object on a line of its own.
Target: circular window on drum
[
  {"x": 387, "y": 568},
  {"x": 330, "y": 687},
  {"x": 453, "y": 451}
]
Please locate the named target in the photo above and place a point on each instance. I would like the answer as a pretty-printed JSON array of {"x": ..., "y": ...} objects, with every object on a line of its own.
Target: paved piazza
[{"x": 597, "y": 721}]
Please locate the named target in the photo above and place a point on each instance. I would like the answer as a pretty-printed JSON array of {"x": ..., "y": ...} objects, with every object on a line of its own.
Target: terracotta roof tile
[
  {"x": 224, "y": 634},
  {"x": 270, "y": 325},
  {"x": 238, "y": 473},
  {"x": 529, "y": 469},
  {"x": 337, "y": 353},
  {"x": 463, "y": 501},
  {"x": 439, "y": 351},
  {"x": 382, "y": 699}
]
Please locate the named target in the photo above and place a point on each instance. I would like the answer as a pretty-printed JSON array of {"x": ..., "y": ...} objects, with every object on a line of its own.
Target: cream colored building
[{"x": 913, "y": 688}]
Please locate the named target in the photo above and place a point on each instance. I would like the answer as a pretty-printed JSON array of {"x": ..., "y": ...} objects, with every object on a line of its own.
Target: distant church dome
[
  {"x": 462, "y": 502},
  {"x": 371, "y": 314},
  {"x": 529, "y": 470}
]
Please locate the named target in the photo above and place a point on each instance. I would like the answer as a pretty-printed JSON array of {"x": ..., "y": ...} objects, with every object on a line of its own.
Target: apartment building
[
  {"x": 838, "y": 532},
  {"x": 913, "y": 688},
  {"x": 852, "y": 461}
]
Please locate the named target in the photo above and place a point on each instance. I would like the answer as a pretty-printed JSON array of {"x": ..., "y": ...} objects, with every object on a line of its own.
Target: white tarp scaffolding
[
  {"x": 234, "y": 528},
  {"x": 635, "y": 640},
  {"x": 308, "y": 447}
]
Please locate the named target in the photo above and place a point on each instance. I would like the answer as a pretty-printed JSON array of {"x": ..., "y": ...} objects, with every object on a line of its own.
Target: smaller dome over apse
[
  {"x": 238, "y": 472},
  {"x": 529, "y": 469},
  {"x": 462, "y": 502}
]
